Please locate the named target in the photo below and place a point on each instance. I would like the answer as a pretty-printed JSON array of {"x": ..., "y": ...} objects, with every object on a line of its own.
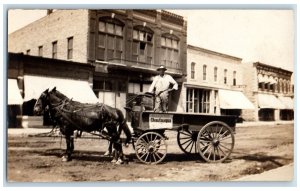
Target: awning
[
  {"x": 234, "y": 100},
  {"x": 14, "y": 96},
  {"x": 78, "y": 90},
  {"x": 269, "y": 101},
  {"x": 287, "y": 102}
]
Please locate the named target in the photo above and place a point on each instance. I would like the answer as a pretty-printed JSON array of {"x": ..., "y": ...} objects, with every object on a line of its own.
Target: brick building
[
  {"x": 124, "y": 46},
  {"x": 214, "y": 83},
  {"x": 269, "y": 88}
]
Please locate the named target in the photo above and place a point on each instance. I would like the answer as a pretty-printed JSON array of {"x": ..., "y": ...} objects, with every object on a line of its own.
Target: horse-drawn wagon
[{"x": 212, "y": 136}]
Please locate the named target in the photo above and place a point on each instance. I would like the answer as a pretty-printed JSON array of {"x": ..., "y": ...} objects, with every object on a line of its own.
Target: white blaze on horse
[{"x": 72, "y": 116}]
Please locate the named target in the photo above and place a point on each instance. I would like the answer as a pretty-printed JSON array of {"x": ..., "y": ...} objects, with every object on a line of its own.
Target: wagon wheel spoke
[
  {"x": 220, "y": 139},
  {"x": 186, "y": 140},
  {"x": 151, "y": 148}
]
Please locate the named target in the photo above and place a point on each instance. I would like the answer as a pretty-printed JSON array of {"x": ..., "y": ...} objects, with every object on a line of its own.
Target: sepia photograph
[{"x": 150, "y": 95}]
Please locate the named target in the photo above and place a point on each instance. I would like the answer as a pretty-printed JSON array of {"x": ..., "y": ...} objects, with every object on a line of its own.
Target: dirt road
[{"x": 38, "y": 159}]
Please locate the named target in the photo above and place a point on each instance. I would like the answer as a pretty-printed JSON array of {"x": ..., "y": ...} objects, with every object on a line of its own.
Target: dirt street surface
[{"x": 38, "y": 159}]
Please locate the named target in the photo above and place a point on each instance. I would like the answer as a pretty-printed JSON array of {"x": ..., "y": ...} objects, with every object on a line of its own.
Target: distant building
[
  {"x": 269, "y": 89},
  {"x": 124, "y": 46},
  {"x": 214, "y": 83}
]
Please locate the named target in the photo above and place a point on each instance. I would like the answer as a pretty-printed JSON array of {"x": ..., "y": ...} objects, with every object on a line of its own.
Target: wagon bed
[{"x": 212, "y": 136}]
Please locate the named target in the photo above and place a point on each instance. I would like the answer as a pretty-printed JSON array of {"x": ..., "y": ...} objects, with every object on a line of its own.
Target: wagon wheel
[
  {"x": 215, "y": 141},
  {"x": 151, "y": 148},
  {"x": 186, "y": 140}
]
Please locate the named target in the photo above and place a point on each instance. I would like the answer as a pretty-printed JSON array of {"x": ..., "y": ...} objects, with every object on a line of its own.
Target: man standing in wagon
[{"x": 161, "y": 86}]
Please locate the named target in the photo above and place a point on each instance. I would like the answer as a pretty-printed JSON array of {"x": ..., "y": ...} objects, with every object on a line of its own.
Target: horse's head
[
  {"x": 42, "y": 103},
  {"x": 57, "y": 94}
]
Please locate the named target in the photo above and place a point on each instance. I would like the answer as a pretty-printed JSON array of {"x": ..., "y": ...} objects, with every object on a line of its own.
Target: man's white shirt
[{"x": 162, "y": 83}]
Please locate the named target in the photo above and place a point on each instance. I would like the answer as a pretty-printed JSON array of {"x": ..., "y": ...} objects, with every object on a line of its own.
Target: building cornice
[{"x": 213, "y": 53}]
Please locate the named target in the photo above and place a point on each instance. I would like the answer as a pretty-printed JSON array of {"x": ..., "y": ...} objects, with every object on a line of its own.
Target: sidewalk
[
  {"x": 263, "y": 123},
  {"x": 284, "y": 173},
  {"x": 28, "y": 131}
]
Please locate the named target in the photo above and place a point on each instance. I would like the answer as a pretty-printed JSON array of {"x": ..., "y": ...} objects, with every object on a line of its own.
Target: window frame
[
  {"x": 234, "y": 78},
  {"x": 70, "y": 40},
  {"x": 215, "y": 74},
  {"x": 105, "y": 52},
  {"x": 142, "y": 40},
  {"x": 40, "y": 51},
  {"x": 54, "y": 49},
  {"x": 204, "y": 72},
  {"x": 193, "y": 72},
  {"x": 225, "y": 76},
  {"x": 171, "y": 55}
]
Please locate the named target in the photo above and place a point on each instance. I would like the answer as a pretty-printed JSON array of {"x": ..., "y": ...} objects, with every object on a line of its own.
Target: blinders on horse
[{"x": 41, "y": 104}]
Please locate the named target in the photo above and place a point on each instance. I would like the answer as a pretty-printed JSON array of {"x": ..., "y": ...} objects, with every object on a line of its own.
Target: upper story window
[
  {"x": 40, "y": 51},
  {"x": 225, "y": 76},
  {"x": 170, "y": 50},
  {"x": 142, "y": 46},
  {"x": 193, "y": 70},
  {"x": 215, "y": 74},
  {"x": 110, "y": 39},
  {"x": 204, "y": 72},
  {"x": 70, "y": 48},
  {"x": 54, "y": 49},
  {"x": 234, "y": 78}
]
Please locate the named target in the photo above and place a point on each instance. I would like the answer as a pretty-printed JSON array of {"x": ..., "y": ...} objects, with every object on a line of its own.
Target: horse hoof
[
  {"x": 107, "y": 153},
  {"x": 66, "y": 159},
  {"x": 119, "y": 162},
  {"x": 113, "y": 161}
]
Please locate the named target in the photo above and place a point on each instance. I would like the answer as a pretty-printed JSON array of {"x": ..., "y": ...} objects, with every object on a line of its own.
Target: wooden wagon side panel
[{"x": 194, "y": 121}]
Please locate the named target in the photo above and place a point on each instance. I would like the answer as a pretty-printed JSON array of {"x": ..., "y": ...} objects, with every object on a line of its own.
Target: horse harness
[{"x": 61, "y": 110}]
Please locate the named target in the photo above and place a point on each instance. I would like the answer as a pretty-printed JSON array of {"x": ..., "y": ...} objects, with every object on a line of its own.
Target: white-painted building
[{"x": 214, "y": 83}]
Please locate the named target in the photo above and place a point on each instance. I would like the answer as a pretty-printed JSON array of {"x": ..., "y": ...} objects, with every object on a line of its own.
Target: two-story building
[
  {"x": 214, "y": 83},
  {"x": 124, "y": 46},
  {"x": 269, "y": 89}
]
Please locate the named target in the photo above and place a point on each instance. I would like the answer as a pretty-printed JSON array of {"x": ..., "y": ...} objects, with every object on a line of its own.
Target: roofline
[
  {"x": 11, "y": 54},
  {"x": 274, "y": 67},
  {"x": 213, "y": 52}
]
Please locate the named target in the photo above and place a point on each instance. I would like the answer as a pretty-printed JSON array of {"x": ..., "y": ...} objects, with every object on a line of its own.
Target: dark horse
[{"x": 71, "y": 115}]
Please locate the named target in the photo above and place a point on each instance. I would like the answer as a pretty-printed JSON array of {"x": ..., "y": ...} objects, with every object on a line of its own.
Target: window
[
  {"x": 225, "y": 76},
  {"x": 40, "y": 50},
  {"x": 170, "y": 51},
  {"x": 110, "y": 40},
  {"x": 215, "y": 74},
  {"x": 104, "y": 85},
  {"x": 193, "y": 70},
  {"x": 198, "y": 101},
  {"x": 142, "y": 45},
  {"x": 234, "y": 78},
  {"x": 70, "y": 48},
  {"x": 28, "y": 52},
  {"x": 204, "y": 72},
  {"x": 54, "y": 49}
]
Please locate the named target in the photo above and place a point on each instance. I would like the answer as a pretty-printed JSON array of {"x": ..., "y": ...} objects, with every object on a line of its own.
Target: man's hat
[{"x": 161, "y": 68}]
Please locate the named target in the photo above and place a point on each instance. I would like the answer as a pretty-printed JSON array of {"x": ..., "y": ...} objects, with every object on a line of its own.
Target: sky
[{"x": 266, "y": 36}]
